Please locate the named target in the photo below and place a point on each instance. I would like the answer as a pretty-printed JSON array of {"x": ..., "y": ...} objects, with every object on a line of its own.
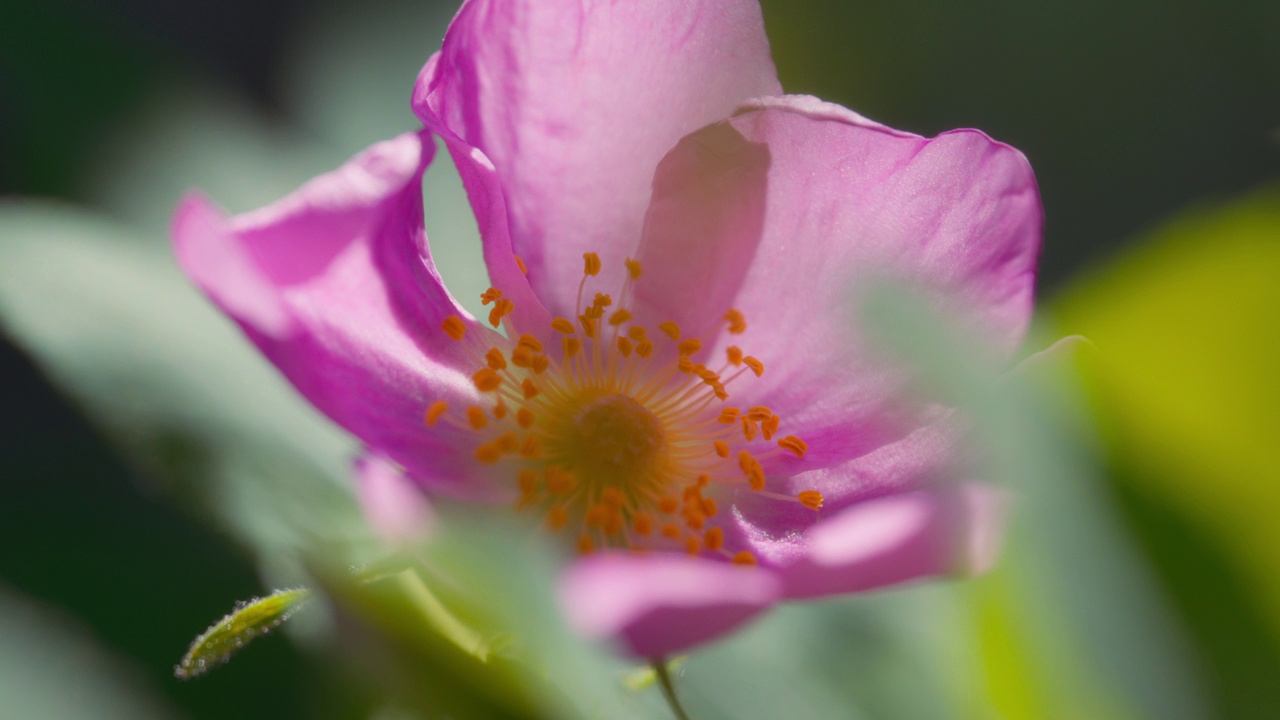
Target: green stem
[{"x": 661, "y": 670}]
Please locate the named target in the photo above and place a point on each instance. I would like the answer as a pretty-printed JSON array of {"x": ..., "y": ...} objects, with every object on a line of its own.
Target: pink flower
[{"x": 672, "y": 242}]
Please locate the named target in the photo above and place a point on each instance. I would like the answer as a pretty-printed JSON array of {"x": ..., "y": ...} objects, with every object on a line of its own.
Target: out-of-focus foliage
[
  {"x": 1077, "y": 621},
  {"x": 241, "y": 626},
  {"x": 1186, "y": 389}
]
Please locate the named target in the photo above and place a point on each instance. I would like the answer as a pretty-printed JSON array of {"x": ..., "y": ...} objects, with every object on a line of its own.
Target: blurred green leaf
[
  {"x": 1082, "y": 628},
  {"x": 247, "y": 622},
  {"x": 1185, "y": 389}
]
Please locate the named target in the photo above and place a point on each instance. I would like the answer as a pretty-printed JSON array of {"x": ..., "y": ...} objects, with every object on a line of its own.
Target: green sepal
[{"x": 249, "y": 620}]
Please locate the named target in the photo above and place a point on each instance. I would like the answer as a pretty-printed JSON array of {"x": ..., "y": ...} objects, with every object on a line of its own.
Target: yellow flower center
[{"x": 622, "y": 439}]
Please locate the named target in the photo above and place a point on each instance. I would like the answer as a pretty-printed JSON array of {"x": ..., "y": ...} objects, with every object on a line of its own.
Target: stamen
[
  {"x": 490, "y": 295},
  {"x": 634, "y": 270},
  {"x": 529, "y": 389},
  {"x": 744, "y": 557},
  {"x": 520, "y": 264},
  {"x": 619, "y": 316},
  {"x": 562, "y": 325},
  {"x": 689, "y": 347},
  {"x": 671, "y": 329},
  {"x": 495, "y": 359},
  {"x": 524, "y": 418},
  {"x": 722, "y": 448},
  {"x": 454, "y": 327},
  {"x": 737, "y": 323},
  {"x": 734, "y": 353},
  {"x": 811, "y": 499},
  {"x": 591, "y": 264},
  {"x": 756, "y": 366},
  {"x": 794, "y": 444},
  {"x": 486, "y": 380},
  {"x": 714, "y": 539},
  {"x": 728, "y": 416},
  {"x": 434, "y": 411},
  {"x": 475, "y": 416}
]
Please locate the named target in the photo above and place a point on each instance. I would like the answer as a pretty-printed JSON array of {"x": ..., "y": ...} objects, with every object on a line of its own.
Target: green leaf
[{"x": 248, "y": 621}]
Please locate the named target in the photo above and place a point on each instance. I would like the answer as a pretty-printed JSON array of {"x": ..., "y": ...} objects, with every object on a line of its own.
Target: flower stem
[{"x": 663, "y": 674}]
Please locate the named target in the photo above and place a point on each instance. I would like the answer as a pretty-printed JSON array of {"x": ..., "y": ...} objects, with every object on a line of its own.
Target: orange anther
[
  {"x": 570, "y": 346},
  {"x": 562, "y": 325},
  {"x": 495, "y": 359},
  {"x": 591, "y": 263},
  {"x": 692, "y": 544},
  {"x": 714, "y": 539},
  {"x": 522, "y": 357},
  {"x": 703, "y": 480},
  {"x": 752, "y": 469},
  {"x": 586, "y": 545},
  {"x": 756, "y": 366},
  {"x": 749, "y": 428},
  {"x": 596, "y": 515},
  {"x": 709, "y": 507},
  {"x": 499, "y": 410},
  {"x": 668, "y": 504},
  {"x": 722, "y": 448},
  {"x": 520, "y": 264},
  {"x": 488, "y": 453},
  {"x": 759, "y": 413},
  {"x": 634, "y": 270},
  {"x": 559, "y": 480},
  {"x": 811, "y": 499},
  {"x": 501, "y": 308},
  {"x": 454, "y": 327},
  {"x": 685, "y": 365},
  {"x": 671, "y": 329},
  {"x": 619, "y": 316},
  {"x": 734, "y": 354},
  {"x": 434, "y": 411},
  {"x": 490, "y": 295},
  {"x": 531, "y": 342},
  {"x": 744, "y": 557},
  {"x": 770, "y": 426},
  {"x": 529, "y": 389},
  {"x": 507, "y": 442},
  {"x": 588, "y": 324},
  {"x": 613, "y": 497},
  {"x": 486, "y": 380},
  {"x": 737, "y": 323},
  {"x": 728, "y": 416},
  {"x": 695, "y": 519},
  {"x": 644, "y": 348},
  {"x": 637, "y": 333},
  {"x": 557, "y": 517},
  {"x": 540, "y": 364},
  {"x": 625, "y": 347},
  {"x": 475, "y": 416},
  {"x": 600, "y": 302},
  {"x": 642, "y": 523},
  {"x": 527, "y": 480},
  {"x": 689, "y": 347},
  {"x": 794, "y": 444},
  {"x": 671, "y": 531},
  {"x": 524, "y": 418}
]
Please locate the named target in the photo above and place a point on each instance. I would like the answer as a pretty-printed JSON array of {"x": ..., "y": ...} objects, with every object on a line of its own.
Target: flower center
[
  {"x": 625, "y": 440},
  {"x": 613, "y": 439}
]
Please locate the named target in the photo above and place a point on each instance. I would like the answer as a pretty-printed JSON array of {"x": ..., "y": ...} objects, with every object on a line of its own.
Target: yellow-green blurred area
[{"x": 156, "y": 470}]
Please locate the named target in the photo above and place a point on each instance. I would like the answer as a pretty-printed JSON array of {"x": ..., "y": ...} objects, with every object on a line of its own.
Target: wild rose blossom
[{"x": 681, "y": 391}]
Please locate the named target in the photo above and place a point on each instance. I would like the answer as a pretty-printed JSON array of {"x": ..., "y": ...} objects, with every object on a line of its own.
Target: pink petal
[
  {"x": 661, "y": 604},
  {"x": 783, "y": 210},
  {"x": 394, "y": 507},
  {"x": 897, "y": 538},
  {"x": 575, "y": 104},
  {"x": 335, "y": 284},
  {"x": 771, "y": 529}
]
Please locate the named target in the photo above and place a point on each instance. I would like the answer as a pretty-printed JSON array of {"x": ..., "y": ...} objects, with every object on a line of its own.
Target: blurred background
[{"x": 150, "y": 460}]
